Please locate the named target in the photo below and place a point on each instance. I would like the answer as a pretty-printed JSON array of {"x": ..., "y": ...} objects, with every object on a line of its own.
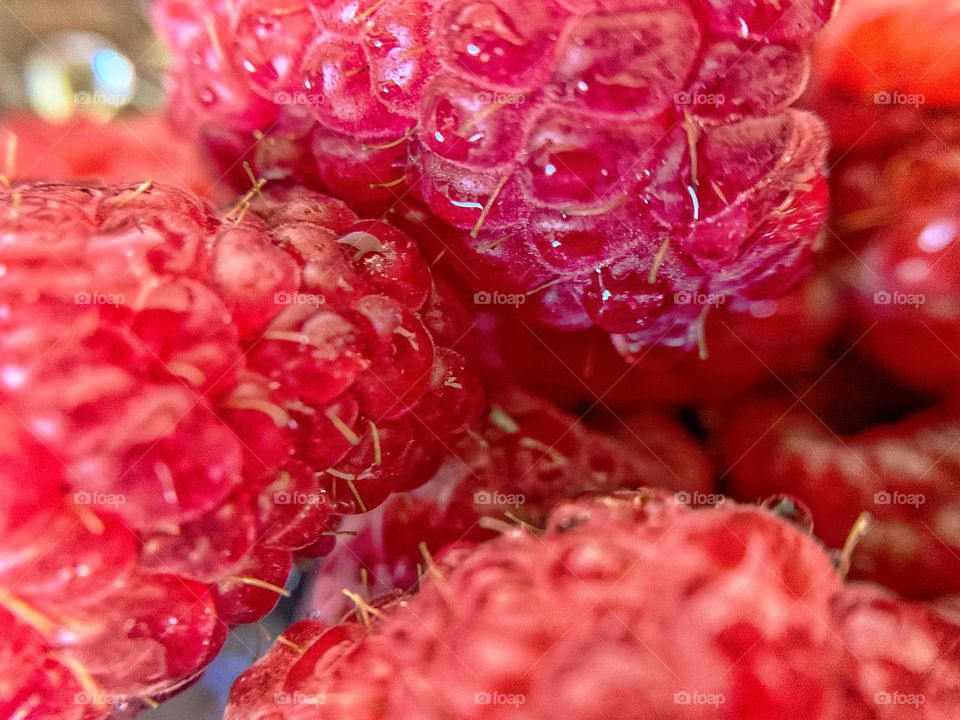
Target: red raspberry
[
  {"x": 527, "y": 457},
  {"x": 191, "y": 400},
  {"x": 850, "y": 445},
  {"x": 602, "y": 162},
  {"x": 903, "y": 221},
  {"x": 125, "y": 150},
  {"x": 624, "y": 608},
  {"x": 893, "y": 108}
]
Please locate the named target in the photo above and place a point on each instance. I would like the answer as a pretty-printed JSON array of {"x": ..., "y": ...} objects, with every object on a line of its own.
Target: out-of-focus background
[
  {"x": 63, "y": 58},
  {"x": 74, "y": 62}
]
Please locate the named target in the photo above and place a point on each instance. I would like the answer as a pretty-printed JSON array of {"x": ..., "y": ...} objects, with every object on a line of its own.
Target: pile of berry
[{"x": 570, "y": 394}]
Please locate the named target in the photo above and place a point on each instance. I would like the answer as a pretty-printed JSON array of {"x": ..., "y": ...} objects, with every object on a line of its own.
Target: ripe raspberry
[
  {"x": 744, "y": 346},
  {"x": 624, "y": 608},
  {"x": 893, "y": 112},
  {"x": 603, "y": 162},
  {"x": 902, "y": 218},
  {"x": 527, "y": 457},
  {"x": 125, "y": 150},
  {"x": 849, "y": 445},
  {"x": 192, "y": 400}
]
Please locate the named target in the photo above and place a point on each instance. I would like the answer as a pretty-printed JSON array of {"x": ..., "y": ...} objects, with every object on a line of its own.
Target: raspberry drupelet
[{"x": 526, "y": 457}]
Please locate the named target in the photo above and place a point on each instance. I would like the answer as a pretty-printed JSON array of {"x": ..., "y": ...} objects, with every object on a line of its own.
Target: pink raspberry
[
  {"x": 603, "y": 162},
  {"x": 855, "y": 443},
  {"x": 189, "y": 400},
  {"x": 526, "y": 457},
  {"x": 623, "y": 608}
]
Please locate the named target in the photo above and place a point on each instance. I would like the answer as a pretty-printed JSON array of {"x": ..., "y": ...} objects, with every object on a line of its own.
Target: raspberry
[
  {"x": 893, "y": 113},
  {"x": 125, "y": 150},
  {"x": 601, "y": 161},
  {"x": 902, "y": 219},
  {"x": 193, "y": 399},
  {"x": 743, "y": 347},
  {"x": 623, "y": 608},
  {"x": 856, "y": 443},
  {"x": 527, "y": 457}
]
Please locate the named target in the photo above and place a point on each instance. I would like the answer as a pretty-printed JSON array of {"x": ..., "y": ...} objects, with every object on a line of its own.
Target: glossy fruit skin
[
  {"x": 192, "y": 400},
  {"x": 526, "y": 457},
  {"x": 730, "y": 603},
  {"x": 598, "y": 162}
]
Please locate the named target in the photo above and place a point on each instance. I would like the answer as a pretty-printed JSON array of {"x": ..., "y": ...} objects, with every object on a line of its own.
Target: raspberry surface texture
[
  {"x": 858, "y": 443},
  {"x": 189, "y": 400},
  {"x": 604, "y": 161},
  {"x": 624, "y": 608},
  {"x": 526, "y": 457}
]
